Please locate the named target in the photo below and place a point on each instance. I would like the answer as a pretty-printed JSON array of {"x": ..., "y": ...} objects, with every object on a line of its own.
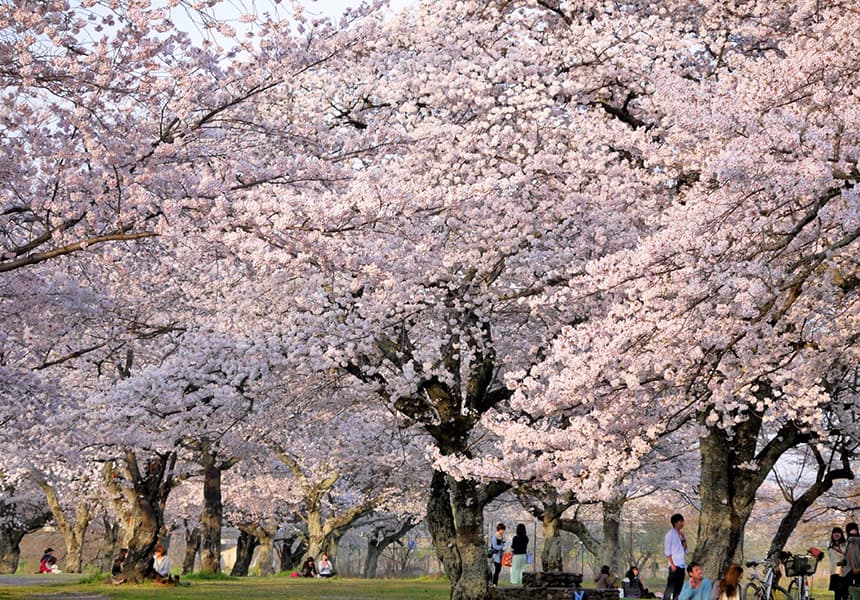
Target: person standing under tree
[
  {"x": 836, "y": 553},
  {"x": 519, "y": 547},
  {"x": 498, "y": 544},
  {"x": 675, "y": 549},
  {"x": 851, "y": 575}
]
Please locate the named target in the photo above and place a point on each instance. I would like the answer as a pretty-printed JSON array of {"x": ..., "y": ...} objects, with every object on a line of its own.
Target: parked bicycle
[
  {"x": 764, "y": 586},
  {"x": 799, "y": 567}
]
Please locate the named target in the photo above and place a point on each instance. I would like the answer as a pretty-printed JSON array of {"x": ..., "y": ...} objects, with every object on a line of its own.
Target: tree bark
[
  {"x": 731, "y": 474},
  {"x": 73, "y": 533},
  {"x": 291, "y": 557},
  {"x": 10, "y": 549},
  {"x": 110, "y": 544},
  {"x": 143, "y": 494},
  {"x": 455, "y": 519},
  {"x": 610, "y": 551},
  {"x": 440, "y": 524},
  {"x": 551, "y": 557},
  {"x": 265, "y": 541},
  {"x": 211, "y": 517},
  {"x": 244, "y": 554},
  {"x": 380, "y": 539},
  {"x": 192, "y": 547}
]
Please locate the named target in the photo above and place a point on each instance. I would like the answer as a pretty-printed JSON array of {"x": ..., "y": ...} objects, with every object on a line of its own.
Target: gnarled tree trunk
[
  {"x": 192, "y": 547},
  {"x": 292, "y": 551},
  {"x": 244, "y": 553},
  {"x": 732, "y": 472},
  {"x": 610, "y": 550},
  {"x": 142, "y": 494},
  {"x": 379, "y": 540},
  {"x": 73, "y": 533},
  {"x": 110, "y": 543},
  {"x": 455, "y": 519},
  {"x": 211, "y": 517}
]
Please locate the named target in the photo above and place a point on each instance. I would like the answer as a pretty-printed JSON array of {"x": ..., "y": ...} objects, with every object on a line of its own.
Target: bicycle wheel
[
  {"x": 779, "y": 593},
  {"x": 794, "y": 590},
  {"x": 751, "y": 591}
]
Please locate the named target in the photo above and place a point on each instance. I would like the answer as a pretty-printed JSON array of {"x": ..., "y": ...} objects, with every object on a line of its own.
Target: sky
[
  {"x": 334, "y": 8},
  {"x": 231, "y": 10}
]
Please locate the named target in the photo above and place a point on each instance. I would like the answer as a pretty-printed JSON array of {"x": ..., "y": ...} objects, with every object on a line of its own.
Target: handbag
[
  {"x": 507, "y": 559},
  {"x": 490, "y": 552}
]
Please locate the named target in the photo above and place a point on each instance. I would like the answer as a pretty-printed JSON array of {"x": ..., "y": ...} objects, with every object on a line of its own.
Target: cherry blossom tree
[{"x": 737, "y": 313}]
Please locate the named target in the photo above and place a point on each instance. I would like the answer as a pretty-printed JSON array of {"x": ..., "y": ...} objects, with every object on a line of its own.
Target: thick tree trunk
[
  {"x": 10, "y": 549},
  {"x": 291, "y": 557},
  {"x": 610, "y": 551},
  {"x": 371, "y": 561},
  {"x": 735, "y": 463},
  {"x": 244, "y": 554},
  {"x": 73, "y": 533},
  {"x": 380, "y": 539},
  {"x": 551, "y": 557},
  {"x": 110, "y": 543},
  {"x": 440, "y": 524},
  {"x": 455, "y": 519},
  {"x": 192, "y": 547},
  {"x": 727, "y": 502},
  {"x": 265, "y": 538},
  {"x": 210, "y": 519},
  {"x": 143, "y": 494}
]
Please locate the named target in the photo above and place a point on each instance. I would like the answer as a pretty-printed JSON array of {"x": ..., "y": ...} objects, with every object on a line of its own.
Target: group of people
[
  {"x": 843, "y": 549},
  {"x": 158, "y": 569},
  {"x": 844, "y": 553},
  {"x": 696, "y": 586},
  {"x": 518, "y": 547},
  {"x": 310, "y": 568}
]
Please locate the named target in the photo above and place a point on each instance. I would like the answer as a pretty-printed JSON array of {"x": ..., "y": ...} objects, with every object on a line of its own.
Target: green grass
[{"x": 248, "y": 588}]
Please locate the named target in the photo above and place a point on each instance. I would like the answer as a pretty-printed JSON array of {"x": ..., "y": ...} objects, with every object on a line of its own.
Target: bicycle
[
  {"x": 763, "y": 587},
  {"x": 799, "y": 567}
]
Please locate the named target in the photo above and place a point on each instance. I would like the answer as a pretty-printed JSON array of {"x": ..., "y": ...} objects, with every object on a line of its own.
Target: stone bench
[{"x": 554, "y": 586}]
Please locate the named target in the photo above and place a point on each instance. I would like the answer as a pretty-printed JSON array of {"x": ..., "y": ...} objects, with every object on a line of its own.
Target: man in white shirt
[{"x": 675, "y": 549}]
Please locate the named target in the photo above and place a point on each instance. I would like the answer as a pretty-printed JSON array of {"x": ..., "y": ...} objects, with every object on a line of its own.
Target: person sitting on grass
[
  {"x": 53, "y": 567},
  {"x": 116, "y": 576},
  {"x": 309, "y": 569},
  {"x": 161, "y": 567},
  {"x": 325, "y": 568}
]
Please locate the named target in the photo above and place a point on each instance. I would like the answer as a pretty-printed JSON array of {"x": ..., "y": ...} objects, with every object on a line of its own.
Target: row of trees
[{"x": 551, "y": 247}]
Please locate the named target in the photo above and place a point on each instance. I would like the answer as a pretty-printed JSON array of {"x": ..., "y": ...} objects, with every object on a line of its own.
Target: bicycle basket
[{"x": 800, "y": 564}]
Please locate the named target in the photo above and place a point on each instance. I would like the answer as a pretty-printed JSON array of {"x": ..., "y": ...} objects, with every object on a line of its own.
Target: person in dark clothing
[
  {"x": 309, "y": 569},
  {"x": 851, "y": 575},
  {"x": 116, "y": 576},
  {"x": 519, "y": 548},
  {"x": 116, "y": 567},
  {"x": 632, "y": 585}
]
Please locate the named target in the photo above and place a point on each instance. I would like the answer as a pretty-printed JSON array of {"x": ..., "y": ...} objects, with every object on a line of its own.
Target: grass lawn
[{"x": 250, "y": 588}]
